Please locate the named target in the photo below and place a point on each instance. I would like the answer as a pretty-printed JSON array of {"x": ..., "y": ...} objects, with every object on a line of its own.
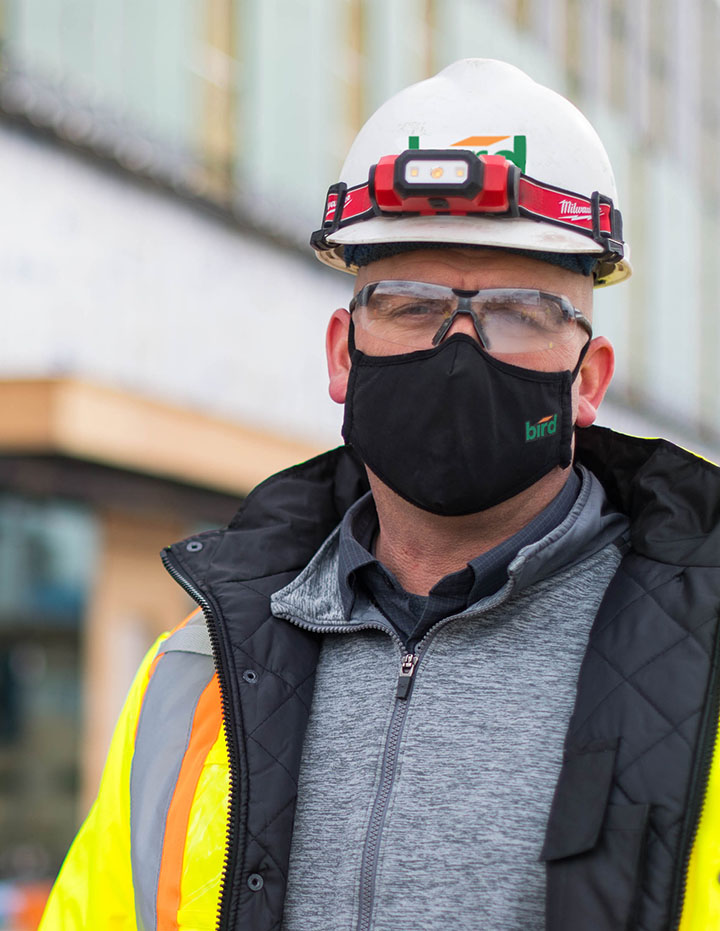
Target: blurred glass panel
[
  {"x": 294, "y": 97},
  {"x": 46, "y": 557},
  {"x": 115, "y": 75},
  {"x": 47, "y": 561}
]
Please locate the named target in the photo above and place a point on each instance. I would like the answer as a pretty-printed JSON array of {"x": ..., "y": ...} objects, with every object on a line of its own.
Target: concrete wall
[{"x": 115, "y": 282}]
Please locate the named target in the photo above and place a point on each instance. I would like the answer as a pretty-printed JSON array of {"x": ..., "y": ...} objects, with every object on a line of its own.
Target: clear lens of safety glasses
[{"x": 419, "y": 315}]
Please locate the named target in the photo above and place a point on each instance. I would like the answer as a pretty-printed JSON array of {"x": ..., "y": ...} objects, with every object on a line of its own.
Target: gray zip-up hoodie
[{"x": 428, "y": 811}]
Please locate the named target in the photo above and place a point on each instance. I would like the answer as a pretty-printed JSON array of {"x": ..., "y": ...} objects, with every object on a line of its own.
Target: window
[{"x": 47, "y": 552}]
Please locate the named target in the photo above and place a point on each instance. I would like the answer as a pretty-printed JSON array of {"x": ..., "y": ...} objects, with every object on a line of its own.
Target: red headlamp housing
[{"x": 432, "y": 181}]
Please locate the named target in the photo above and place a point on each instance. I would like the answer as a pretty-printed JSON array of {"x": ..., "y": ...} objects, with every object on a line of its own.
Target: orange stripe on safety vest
[{"x": 205, "y": 729}]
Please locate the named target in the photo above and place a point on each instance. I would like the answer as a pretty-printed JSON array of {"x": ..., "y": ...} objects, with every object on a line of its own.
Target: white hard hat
[{"x": 485, "y": 107}]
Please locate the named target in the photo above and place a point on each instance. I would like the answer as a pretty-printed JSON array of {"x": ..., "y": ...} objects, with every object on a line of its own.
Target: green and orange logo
[
  {"x": 515, "y": 151},
  {"x": 545, "y": 427}
]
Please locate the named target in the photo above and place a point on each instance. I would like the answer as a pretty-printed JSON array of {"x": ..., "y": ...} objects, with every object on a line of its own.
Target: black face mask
[{"x": 453, "y": 430}]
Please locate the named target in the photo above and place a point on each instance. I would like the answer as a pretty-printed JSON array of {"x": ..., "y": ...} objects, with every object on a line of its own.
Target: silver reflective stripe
[
  {"x": 190, "y": 639},
  {"x": 163, "y": 734}
]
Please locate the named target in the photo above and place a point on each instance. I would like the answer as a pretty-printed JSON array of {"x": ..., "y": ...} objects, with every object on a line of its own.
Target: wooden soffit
[{"x": 92, "y": 423}]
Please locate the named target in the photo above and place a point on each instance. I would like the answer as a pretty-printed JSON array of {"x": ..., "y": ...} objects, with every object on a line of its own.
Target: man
[{"x": 484, "y": 693}]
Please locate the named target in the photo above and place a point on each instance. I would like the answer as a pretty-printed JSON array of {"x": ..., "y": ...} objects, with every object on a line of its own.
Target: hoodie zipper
[
  {"x": 408, "y": 671},
  {"x": 698, "y": 786},
  {"x": 371, "y": 849},
  {"x": 409, "y": 662},
  {"x": 223, "y": 922},
  {"x": 408, "y": 665}
]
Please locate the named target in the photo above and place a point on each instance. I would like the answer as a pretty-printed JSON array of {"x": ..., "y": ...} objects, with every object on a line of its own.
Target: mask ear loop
[
  {"x": 583, "y": 352},
  {"x": 351, "y": 337}
]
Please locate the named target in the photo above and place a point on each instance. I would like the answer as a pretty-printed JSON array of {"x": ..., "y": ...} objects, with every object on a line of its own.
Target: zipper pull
[{"x": 405, "y": 679}]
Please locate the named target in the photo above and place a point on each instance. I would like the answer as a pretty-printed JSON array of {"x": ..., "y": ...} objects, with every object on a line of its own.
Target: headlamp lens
[
  {"x": 418, "y": 315},
  {"x": 443, "y": 171}
]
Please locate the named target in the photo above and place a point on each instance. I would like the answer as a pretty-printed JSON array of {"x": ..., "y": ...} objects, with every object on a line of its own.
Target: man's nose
[{"x": 465, "y": 322}]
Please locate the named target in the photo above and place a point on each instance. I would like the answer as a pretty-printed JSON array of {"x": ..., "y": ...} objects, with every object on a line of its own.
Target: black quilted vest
[{"x": 638, "y": 746}]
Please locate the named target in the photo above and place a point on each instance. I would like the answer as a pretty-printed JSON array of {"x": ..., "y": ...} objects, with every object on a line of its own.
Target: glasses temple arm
[{"x": 584, "y": 323}]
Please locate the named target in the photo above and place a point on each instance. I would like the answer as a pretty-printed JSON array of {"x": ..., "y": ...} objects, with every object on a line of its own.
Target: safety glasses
[{"x": 418, "y": 315}]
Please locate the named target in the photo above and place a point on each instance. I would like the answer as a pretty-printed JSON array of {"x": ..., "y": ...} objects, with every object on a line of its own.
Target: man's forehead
[{"x": 430, "y": 264}]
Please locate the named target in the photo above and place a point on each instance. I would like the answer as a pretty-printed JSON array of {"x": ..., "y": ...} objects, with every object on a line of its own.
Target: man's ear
[
  {"x": 595, "y": 374},
  {"x": 338, "y": 355}
]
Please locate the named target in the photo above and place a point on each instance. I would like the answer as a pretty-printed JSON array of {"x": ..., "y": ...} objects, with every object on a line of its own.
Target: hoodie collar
[{"x": 314, "y": 596}]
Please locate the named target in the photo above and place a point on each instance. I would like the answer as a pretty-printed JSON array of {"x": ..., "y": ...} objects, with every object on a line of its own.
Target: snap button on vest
[
  {"x": 250, "y": 676},
  {"x": 255, "y": 882}
]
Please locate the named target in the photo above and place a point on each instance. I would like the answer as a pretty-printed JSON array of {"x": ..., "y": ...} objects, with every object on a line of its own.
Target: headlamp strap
[
  {"x": 354, "y": 205},
  {"x": 594, "y": 216}
]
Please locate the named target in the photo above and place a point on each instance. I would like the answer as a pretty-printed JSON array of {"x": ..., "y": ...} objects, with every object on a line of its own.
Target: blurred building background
[{"x": 162, "y": 164}]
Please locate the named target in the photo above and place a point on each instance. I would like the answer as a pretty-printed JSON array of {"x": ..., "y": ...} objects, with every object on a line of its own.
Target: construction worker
[{"x": 463, "y": 671}]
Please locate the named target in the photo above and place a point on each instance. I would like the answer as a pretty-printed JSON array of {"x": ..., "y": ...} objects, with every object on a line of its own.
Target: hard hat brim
[{"x": 505, "y": 232}]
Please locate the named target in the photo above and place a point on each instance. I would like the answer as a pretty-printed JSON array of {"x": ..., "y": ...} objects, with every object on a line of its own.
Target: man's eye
[
  {"x": 518, "y": 317},
  {"x": 416, "y": 309},
  {"x": 508, "y": 316},
  {"x": 398, "y": 310}
]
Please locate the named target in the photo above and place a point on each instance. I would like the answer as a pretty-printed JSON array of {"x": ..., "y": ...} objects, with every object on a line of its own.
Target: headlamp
[{"x": 429, "y": 181}]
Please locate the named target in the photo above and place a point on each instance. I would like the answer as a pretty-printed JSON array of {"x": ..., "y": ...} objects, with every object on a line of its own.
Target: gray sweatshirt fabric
[{"x": 428, "y": 813}]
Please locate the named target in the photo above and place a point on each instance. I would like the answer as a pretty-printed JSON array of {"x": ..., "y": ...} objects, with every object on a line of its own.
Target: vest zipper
[
  {"x": 230, "y": 858},
  {"x": 698, "y": 785}
]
